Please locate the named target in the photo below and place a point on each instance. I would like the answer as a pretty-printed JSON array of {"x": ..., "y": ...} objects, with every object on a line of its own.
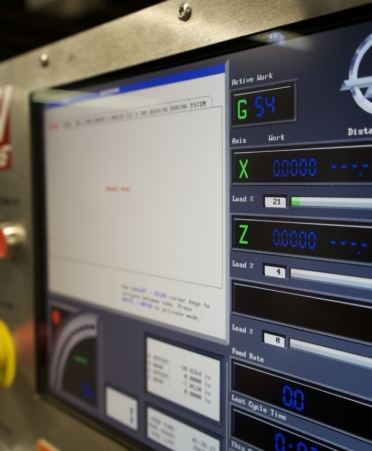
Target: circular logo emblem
[{"x": 355, "y": 84}]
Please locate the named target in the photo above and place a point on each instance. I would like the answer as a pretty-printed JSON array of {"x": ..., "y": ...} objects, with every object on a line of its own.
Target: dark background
[{"x": 29, "y": 24}]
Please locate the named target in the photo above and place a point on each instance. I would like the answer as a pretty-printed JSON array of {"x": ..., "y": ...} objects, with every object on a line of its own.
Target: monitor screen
[{"x": 206, "y": 277}]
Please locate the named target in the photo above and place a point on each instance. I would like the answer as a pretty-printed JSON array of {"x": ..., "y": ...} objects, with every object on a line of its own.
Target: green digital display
[{"x": 262, "y": 105}]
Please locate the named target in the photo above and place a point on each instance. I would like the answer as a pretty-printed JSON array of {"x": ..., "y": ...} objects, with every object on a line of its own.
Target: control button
[
  {"x": 275, "y": 271},
  {"x": 275, "y": 340},
  {"x": 12, "y": 236},
  {"x": 7, "y": 356},
  {"x": 43, "y": 445}
]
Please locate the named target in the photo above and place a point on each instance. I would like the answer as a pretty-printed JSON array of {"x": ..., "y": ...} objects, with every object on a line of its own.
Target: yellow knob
[{"x": 7, "y": 356}]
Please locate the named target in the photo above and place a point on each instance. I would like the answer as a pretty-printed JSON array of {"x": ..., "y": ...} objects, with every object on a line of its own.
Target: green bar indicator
[
  {"x": 80, "y": 359},
  {"x": 333, "y": 202},
  {"x": 295, "y": 202}
]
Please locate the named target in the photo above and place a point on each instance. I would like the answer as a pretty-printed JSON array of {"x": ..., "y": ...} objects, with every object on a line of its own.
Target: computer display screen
[{"x": 208, "y": 247}]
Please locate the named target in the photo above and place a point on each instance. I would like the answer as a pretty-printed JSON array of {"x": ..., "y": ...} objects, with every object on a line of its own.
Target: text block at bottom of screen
[
  {"x": 175, "y": 435},
  {"x": 184, "y": 377}
]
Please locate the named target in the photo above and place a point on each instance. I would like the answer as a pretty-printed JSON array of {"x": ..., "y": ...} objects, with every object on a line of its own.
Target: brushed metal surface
[
  {"x": 157, "y": 32},
  {"x": 145, "y": 36}
]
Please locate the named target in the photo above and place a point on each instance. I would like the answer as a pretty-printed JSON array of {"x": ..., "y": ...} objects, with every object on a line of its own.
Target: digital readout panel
[
  {"x": 301, "y": 399},
  {"x": 269, "y": 436},
  {"x": 274, "y": 103},
  {"x": 329, "y": 241},
  {"x": 338, "y": 164}
]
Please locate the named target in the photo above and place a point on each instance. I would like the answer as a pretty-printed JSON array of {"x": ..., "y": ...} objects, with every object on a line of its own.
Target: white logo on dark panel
[{"x": 355, "y": 84}]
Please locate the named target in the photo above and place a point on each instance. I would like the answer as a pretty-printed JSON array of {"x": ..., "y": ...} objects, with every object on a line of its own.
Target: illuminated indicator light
[
  {"x": 333, "y": 166},
  {"x": 56, "y": 317},
  {"x": 360, "y": 174},
  {"x": 295, "y": 201},
  {"x": 353, "y": 243},
  {"x": 354, "y": 166},
  {"x": 364, "y": 244},
  {"x": 366, "y": 165},
  {"x": 343, "y": 243},
  {"x": 243, "y": 172},
  {"x": 333, "y": 242},
  {"x": 344, "y": 166},
  {"x": 80, "y": 359}
]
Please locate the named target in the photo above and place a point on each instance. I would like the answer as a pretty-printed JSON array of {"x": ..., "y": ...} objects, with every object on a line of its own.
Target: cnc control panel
[{"x": 206, "y": 273}]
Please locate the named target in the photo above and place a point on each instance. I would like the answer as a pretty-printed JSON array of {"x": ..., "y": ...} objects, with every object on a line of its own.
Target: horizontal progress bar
[
  {"x": 324, "y": 351},
  {"x": 333, "y": 202},
  {"x": 335, "y": 279}
]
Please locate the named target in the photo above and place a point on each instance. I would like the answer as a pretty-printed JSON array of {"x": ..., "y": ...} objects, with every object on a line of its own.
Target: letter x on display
[{"x": 243, "y": 172}]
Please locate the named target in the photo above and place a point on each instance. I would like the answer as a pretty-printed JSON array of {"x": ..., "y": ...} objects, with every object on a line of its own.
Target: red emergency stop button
[{"x": 12, "y": 236}]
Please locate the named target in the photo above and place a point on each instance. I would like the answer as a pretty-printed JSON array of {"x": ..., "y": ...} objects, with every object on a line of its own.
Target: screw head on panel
[
  {"x": 184, "y": 12},
  {"x": 44, "y": 59}
]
